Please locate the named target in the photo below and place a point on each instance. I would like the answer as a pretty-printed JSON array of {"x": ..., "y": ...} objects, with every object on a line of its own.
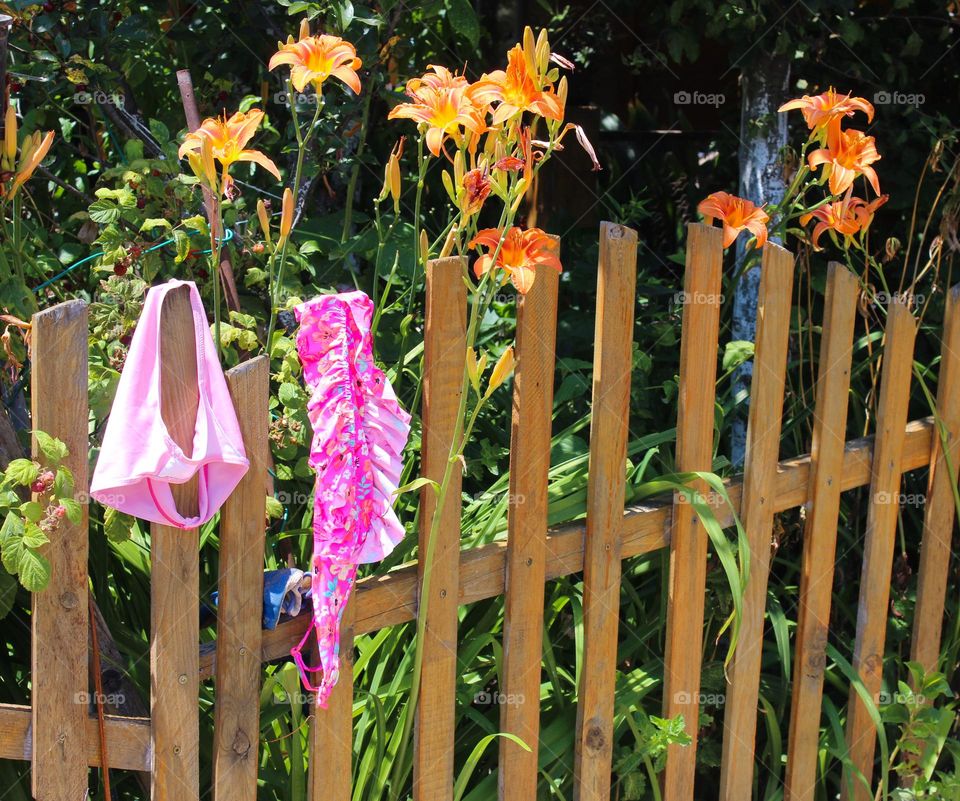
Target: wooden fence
[{"x": 60, "y": 738}]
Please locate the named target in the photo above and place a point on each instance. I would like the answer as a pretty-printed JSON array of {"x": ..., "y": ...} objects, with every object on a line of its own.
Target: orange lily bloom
[
  {"x": 33, "y": 151},
  {"x": 737, "y": 215},
  {"x": 313, "y": 59},
  {"x": 439, "y": 78},
  {"x": 441, "y": 102},
  {"x": 825, "y": 111},
  {"x": 519, "y": 255},
  {"x": 515, "y": 90},
  {"x": 865, "y": 211},
  {"x": 847, "y": 155},
  {"x": 847, "y": 217},
  {"x": 227, "y": 139},
  {"x": 476, "y": 185}
]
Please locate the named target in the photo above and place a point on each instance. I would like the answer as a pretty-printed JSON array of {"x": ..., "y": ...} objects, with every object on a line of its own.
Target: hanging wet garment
[
  {"x": 138, "y": 459},
  {"x": 359, "y": 433}
]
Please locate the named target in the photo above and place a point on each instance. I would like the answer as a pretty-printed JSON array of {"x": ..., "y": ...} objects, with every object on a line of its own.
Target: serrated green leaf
[
  {"x": 63, "y": 483},
  {"x": 74, "y": 510},
  {"x": 104, "y": 211},
  {"x": 182, "y": 241},
  {"x": 22, "y": 471},
  {"x": 53, "y": 450},
  {"x": 290, "y": 395},
  {"x": 32, "y": 511},
  {"x": 274, "y": 508},
  {"x": 34, "y": 536},
  {"x": 156, "y": 222},
  {"x": 34, "y": 570},
  {"x": 736, "y": 353},
  {"x": 196, "y": 223},
  {"x": 116, "y": 524}
]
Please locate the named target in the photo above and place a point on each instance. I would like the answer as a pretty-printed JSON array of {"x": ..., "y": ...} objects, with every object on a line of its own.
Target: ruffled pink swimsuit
[
  {"x": 359, "y": 433},
  {"x": 138, "y": 460}
]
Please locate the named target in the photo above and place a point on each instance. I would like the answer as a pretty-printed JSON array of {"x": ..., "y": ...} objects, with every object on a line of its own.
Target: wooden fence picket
[
  {"x": 940, "y": 510},
  {"x": 879, "y": 540},
  {"x": 444, "y": 355},
  {"x": 820, "y": 530},
  {"x": 688, "y": 538},
  {"x": 175, "y": 576},
  {"x": 331, "y": 733},
  {"x": 60, "y": 613},
  {"x": 527, "y": 535},
  {"x": 236, "y": 730},
  {"x": 606, "y": 488},
  {"x": 756, "y": 515}
]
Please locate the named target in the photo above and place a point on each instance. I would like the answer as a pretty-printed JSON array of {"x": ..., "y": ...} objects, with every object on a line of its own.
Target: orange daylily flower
[
  {"x": 313, "y": 59},
  {"x": 847, "y": 217},
  {"x": 441, "y": 102},
  {"x": 438, "y": 77},
  {"x": 476, "y": 185},
  {"x": 519, "y": 255},
  {"x": 737, "y": 215},
  {"x": 33, "y": 151},
  {"x": 515, "y": 90},
  {"x": 847, "y": 155},
  {"x": 227, "y": 140},
  {"x": 824, "y": 111}
]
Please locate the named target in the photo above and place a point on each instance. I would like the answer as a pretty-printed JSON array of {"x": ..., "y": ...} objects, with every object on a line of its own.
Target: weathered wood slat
[
  {"x": 331, "y": 734},
  {"x": 820, "y": 530},
  {"x": 236, "y": 730},
  {"x": 527, "y": 535},
  {"x": 128, "y": 739},
  {"x": 756, "y": 514},
  {"x": 60, "y": 615},
  {"x": 610, "y": 411},
  {"x": 879, "y": 540},
  {"x": 175, "y": 576},
  {"x": 939, "y": 511},
  {"x": 688, "y": 547},
  {"x": 444, "y": 354},
  {"x": 391, "y": 599}
]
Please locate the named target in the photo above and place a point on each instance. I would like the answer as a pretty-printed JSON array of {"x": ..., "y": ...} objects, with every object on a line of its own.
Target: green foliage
[{"x": 29, "y": 525}]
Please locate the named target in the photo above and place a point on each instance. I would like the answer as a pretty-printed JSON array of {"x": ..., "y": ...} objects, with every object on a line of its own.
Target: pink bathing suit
[
  {"x": 138, "y": 460},
  {"x": 359, "y": 433}
]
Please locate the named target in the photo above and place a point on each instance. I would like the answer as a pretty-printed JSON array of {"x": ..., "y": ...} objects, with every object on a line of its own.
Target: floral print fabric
[{"x": 359, "y": 433}]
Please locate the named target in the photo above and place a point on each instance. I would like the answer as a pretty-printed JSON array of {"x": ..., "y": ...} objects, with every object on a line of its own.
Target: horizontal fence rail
[{"x": 61, "y": 739}]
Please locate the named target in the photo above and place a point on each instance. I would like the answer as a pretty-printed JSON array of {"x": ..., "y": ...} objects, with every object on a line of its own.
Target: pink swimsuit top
[
  {"x": 359, "y": 433},
  {"x": 138, "y": 459}
]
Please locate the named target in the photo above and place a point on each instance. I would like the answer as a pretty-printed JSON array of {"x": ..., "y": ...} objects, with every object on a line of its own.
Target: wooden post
[
  {"x": 527, "y": 535},
  {"x": 236, "y": 731},
  {"x": 939, "y": 512},
  {"x": 60, "y": 616},
  {"x": 175, "y": 576},
  {"x": 606, "y": 490},
  {"x": 879, "y": 541},
  {"x": 444, "y": 354},
  {"x": 331, "y": 735},
  {"x": 756, "y": 514},
  {"x": 820, "y": 530},
  {"x": 688, "y": 539}
]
